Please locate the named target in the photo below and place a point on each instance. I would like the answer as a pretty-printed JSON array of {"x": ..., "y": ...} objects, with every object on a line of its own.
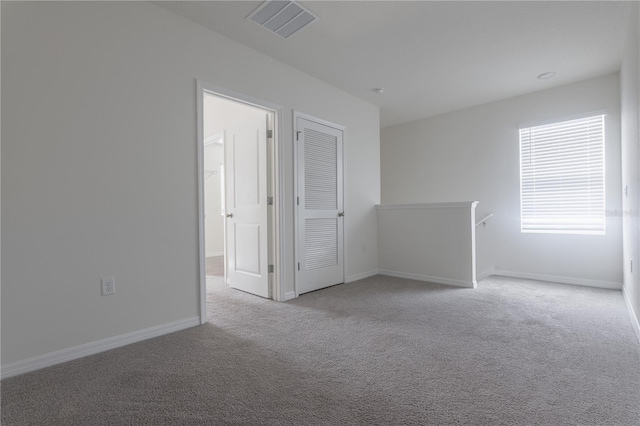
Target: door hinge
[
  {"x": 269, "y": 133},
  {"x": 270, "y": 269},
  {"x": 269, "y": 201},
  {"x": 298, "y": 201},
  {"x": 298, "y": 266}
]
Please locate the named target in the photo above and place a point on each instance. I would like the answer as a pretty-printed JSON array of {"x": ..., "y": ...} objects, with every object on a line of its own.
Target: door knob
[
  {"x": 229, "y": 215},
  {"x": 340, "y": 214}
]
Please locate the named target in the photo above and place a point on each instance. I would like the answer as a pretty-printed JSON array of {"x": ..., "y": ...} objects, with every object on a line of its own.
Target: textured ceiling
[{"x": 434, "y": 57}]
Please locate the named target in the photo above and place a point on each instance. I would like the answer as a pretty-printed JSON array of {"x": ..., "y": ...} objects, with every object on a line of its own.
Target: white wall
[
  {"x": 428, "y": 242},
  {"x": 473, "y": 154},
  {"x": 99, "y": 165},
  {"x": 630, "y": 94}
]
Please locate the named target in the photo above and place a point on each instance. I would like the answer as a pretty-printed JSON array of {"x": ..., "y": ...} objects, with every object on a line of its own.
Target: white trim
[
  {"x": 295, "y": 116},
  {"x": 474, "y": 277},
  {"x": 277, "y": 281},
  {"x": 634, "y": 318},
  {"x": 202, "y": 274},
  {"x": 455, "y": 205},
  {"x": 217, "y": 254},
  {"x": 289, "y": 295},
  {"x": 486, "y": 273},
  {"x": 279, "y": 212},
  {"x": 277, "y": 221},
  {"x": 361, "y": 276},
  {"x": 345, "y": 204},
  {"x": 560, "y": 279},
  {"x": 296, "y": 219},
  {"x": 69, "y": 354},
  {"x": 428, "y": 278}
]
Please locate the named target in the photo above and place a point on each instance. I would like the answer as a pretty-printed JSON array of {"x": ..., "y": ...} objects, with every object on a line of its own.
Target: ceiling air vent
[{"x": 284, "y": 18}]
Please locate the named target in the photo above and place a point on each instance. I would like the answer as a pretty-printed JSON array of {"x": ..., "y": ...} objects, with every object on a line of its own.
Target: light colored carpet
[{"x": 378, "y": 351}]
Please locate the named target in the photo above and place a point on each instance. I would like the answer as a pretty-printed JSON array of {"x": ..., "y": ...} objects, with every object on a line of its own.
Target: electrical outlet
[{"x": 108, "y": 285}]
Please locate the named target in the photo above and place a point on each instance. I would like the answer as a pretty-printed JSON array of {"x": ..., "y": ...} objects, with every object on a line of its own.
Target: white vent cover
[{"x": 284, "y": 18}]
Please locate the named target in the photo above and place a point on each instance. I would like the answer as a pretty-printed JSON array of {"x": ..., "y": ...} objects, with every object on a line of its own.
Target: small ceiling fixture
[
  {"x": 546, "y": 75},
  {"x": 284, "y": 18},
  {"x": 379, "y": 90}
]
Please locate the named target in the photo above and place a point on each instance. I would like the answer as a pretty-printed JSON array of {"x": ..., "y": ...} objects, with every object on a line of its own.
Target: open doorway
[
  {"x": 237, "y": 150},
  {"x": 214, "y": 213}
]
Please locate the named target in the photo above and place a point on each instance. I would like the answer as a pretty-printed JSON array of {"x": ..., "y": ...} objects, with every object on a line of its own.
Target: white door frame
[
  {"x": 296, "y": 245},
  {"x": 276, "y": 231}
]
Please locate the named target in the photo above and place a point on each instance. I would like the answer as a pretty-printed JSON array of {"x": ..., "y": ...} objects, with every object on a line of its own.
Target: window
[{"x": 562, "y": 177}]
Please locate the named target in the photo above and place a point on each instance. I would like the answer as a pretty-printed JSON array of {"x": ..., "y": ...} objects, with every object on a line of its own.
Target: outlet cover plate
[{"x": 108, "y": 285}]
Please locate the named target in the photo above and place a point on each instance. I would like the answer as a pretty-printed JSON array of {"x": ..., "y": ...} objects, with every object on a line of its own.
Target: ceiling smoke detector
[{"x": 284, "y": 18}]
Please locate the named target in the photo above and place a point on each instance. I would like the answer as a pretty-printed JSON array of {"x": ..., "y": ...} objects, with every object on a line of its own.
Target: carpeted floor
[
  {"x": 214, "y": 265},
  {"x": 378, "y": 351}
]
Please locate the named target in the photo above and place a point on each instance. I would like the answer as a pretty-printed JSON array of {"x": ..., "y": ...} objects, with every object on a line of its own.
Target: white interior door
[
  {"x": 320, "y": 226},
  {"x": 246, "y": 227}
]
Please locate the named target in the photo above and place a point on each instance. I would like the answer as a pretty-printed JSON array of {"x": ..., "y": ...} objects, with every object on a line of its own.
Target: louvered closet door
[{"x": 320, "y": 206}]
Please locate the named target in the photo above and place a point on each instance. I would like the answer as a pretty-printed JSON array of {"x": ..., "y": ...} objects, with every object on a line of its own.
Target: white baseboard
[
  {"x": 560, "y": 279},
  {"x": 215, "y": 254},
  {"x": 361, "y": 276},
  {"x": 632, "y": 314},
  {"x": 428, "y": 278},
  {"x": 289, "y": 295},
  {"x": 69, "y": 354},
  {"x": 486, "y": 273}
]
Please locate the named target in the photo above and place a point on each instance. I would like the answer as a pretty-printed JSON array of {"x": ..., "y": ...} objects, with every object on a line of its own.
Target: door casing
[{"x": 275, "y": 172}]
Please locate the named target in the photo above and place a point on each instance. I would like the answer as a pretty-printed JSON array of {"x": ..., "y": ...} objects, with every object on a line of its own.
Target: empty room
[{"x": 320, "y": 212}]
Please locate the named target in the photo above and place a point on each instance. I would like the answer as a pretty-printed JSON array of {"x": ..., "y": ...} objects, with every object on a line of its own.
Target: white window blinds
[{"x": 562, "y": 177}]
